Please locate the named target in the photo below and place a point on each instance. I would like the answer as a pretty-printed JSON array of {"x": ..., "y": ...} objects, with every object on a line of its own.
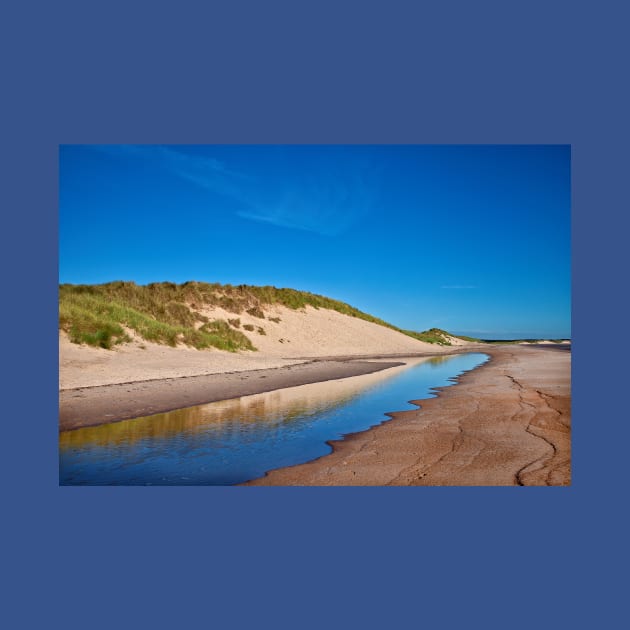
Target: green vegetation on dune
[
  {"x": 439, "y": 336},
  {"x": 433, "y": 335},
  {"x": 98, "y": 315},
  {"x": 168, "y": 313}
]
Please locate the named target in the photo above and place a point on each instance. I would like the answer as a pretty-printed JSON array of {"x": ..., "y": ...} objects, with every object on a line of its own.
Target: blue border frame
[{"x": 343, "y": 72}]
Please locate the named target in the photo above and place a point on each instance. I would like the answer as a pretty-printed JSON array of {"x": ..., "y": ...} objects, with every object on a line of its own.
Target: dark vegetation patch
[{"x": 255, "y": 311}]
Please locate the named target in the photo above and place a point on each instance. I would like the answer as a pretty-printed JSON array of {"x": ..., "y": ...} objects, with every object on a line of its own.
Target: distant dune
[{"x": 130, "y": 319}]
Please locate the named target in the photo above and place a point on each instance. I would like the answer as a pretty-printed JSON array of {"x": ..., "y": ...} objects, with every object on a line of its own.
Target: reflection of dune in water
[
  {"x": 274, "y": 408},
  {"x": 433, "y": 361}
]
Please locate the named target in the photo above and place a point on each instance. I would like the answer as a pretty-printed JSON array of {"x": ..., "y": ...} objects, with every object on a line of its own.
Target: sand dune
[{"x": 298, "y": 334}]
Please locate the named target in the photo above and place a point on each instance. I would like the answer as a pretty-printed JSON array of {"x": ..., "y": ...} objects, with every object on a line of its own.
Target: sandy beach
[{"x": 506, "y": 423}]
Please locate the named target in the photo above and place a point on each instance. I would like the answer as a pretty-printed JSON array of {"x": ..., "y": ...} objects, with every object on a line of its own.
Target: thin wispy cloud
[
  {"x": 319, "y": 200},
  {"x": 324, "y": 203},
  {"x": 203, "y": 171}
]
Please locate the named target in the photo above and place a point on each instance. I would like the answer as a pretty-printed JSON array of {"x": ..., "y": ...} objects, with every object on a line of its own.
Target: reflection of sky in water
[{"x": 235, "y": 440}]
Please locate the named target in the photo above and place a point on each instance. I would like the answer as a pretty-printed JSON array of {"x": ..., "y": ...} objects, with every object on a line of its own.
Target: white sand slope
[
  {"x": 299, "y": 334},
  {"x": 314, "y": 332},
  {"x": 456, "y": 341}
]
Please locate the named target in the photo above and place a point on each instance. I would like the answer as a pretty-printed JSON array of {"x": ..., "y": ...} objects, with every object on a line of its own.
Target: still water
[{"x": 232, "y": 441}]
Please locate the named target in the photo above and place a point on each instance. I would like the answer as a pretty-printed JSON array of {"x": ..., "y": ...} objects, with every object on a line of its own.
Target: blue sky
[{"x": 474, "y": 239}]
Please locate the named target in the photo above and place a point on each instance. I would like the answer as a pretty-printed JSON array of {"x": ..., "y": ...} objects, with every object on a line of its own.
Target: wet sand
[
  {"x": 90, "y": 406},
  {"x": 505, "y": 423},
  {"x": 111, "y": 399}
]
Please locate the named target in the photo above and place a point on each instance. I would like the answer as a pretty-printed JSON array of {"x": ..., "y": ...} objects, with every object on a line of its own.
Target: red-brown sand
[{"x": 505, "y": 423}]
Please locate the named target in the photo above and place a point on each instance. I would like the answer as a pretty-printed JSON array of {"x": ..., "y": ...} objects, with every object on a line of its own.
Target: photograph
[
  {"x": 319, "y": 273},
  {"x": 314, "y": 315}
]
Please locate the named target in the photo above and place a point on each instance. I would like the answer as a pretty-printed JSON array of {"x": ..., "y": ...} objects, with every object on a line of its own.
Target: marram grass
[{"x": 168, "y": 313}]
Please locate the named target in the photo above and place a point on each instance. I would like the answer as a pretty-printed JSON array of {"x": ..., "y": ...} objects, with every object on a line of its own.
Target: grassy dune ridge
[{"x": 168, "y": 313}]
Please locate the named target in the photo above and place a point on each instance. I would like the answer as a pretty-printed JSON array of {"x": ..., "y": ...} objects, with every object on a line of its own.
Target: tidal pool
[{"x": 232, "y": 441}]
